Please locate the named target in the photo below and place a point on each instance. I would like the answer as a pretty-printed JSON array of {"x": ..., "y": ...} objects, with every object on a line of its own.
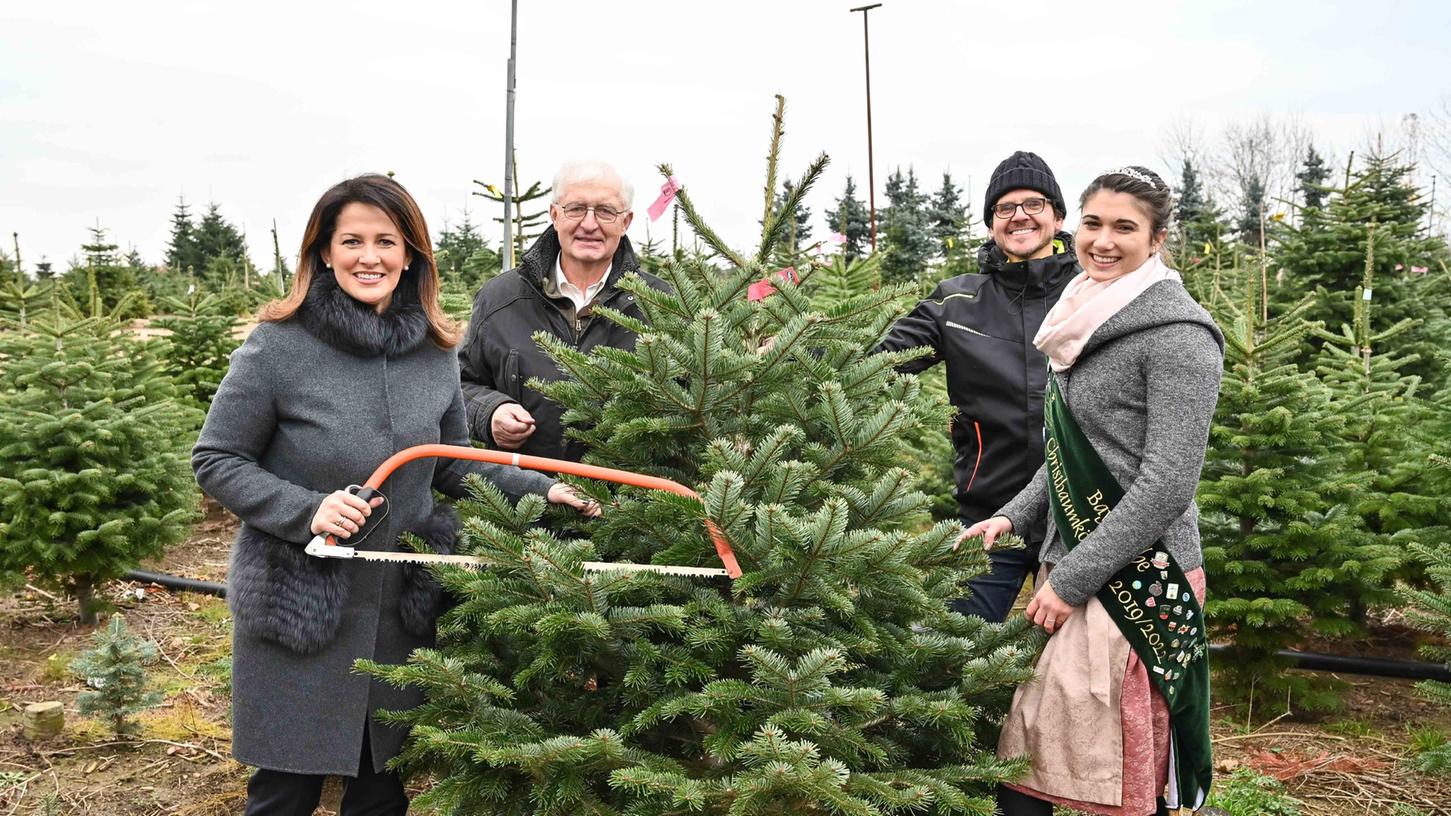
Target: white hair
[{"x": 574, "y": 172}]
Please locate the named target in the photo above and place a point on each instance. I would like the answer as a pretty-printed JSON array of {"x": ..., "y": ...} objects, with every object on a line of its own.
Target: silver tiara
[{"x": 1135, "y": 174}]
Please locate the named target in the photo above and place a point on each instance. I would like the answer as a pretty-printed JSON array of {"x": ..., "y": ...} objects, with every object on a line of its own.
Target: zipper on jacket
[{"x": 579, "y": 330}]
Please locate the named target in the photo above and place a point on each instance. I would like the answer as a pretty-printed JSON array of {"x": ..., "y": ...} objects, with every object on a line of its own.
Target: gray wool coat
[
  {"x": 309, "y": 406},
  {"x": 1143, "y": 390}
]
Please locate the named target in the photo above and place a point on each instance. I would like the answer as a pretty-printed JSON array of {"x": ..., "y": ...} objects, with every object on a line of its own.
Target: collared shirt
[{"x": 569, "y": 290}]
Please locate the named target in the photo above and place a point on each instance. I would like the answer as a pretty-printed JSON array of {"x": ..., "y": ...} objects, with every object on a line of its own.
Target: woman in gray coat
[
  {"x": 1116, "y": 721},
  {"x": 355, "y": 364}
]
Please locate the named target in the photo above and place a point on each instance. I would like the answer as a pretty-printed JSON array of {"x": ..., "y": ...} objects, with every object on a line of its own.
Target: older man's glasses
[
  {"x": 1031, "y": 206},
  {"x": 603, "y": 214}
]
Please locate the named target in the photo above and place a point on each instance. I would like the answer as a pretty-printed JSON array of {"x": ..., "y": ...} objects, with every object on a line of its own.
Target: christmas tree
[
  {"x": 199, "y": 347},
  {"x": 1198, "y": 223},
  {"x": 464, "y": 259},
  {"x": 183, "y": 256},
  {"x": 908, "y": 242},
  {"x": 525, "y": 226},
  {"x": 94, "y": 453},
  {"x": 1312, "y": 176},
  {"x": 115, "y": 671},
  {"x": 1281, "y": 540},
  {"x": 103, "y": 272},
  {"x": 830, "y": 678},
  {"x": 954, "y": 228},
  {"x": 1389, "y": 427},
  {"x": 1326, "y": 252},
  {"x": 852, "y": 219},
  {"x": 1430, "y": 610}
]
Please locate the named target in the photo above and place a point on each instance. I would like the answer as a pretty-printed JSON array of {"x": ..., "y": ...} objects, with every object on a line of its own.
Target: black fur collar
[{"x": 332, "y": 316}]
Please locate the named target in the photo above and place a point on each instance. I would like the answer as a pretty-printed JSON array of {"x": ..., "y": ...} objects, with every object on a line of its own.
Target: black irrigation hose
[
  {"x": 177, "y": 582},
  {"x": 1313, "y": 661},
  {"x": 1374, "y": 666}
]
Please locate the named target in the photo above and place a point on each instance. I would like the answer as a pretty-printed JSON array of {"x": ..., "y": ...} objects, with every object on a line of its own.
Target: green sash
[{"x": 1149, "y": 599}]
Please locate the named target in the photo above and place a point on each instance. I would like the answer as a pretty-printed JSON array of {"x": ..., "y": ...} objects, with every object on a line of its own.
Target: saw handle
[{"x": 375, "y": 517}]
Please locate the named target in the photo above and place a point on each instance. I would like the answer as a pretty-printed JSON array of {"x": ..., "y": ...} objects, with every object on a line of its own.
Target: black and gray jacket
[
  {"x": 498, "y": 356},
  {"x": 982, "y": 325}
]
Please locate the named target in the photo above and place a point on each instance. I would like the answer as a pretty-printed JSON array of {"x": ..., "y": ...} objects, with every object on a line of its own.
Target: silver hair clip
[{"x": 1135, "y": 174}]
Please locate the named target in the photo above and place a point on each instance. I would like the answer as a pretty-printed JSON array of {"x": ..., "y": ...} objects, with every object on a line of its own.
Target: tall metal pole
[
  {"x": 1430, "y": 215},
  {"x": 871, "y": 169},
  {"x": 507, "y": 250}
]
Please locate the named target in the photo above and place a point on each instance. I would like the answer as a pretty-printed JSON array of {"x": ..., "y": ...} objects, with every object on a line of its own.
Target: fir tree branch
[
  {"x": 708, "y": 235},
  {"x": 773, "y": 154},
  {"x": 774, "y": 231}
]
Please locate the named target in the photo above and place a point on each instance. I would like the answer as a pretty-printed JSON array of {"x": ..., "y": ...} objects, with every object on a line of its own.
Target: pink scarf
[{"x": 1087, "y": 304}]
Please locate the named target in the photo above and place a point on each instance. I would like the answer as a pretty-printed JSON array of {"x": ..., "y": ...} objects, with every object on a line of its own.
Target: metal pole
[
  {"x": 507, "y": 250},
  {"x": 871, "y": 169},
  {"x": 1430, "y": 214}
]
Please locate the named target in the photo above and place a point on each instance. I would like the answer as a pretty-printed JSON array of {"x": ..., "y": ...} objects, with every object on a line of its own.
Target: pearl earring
[{"x": 405, "y": 269}]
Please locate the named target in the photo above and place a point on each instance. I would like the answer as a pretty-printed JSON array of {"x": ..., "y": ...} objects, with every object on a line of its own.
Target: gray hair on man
[{"x": 574, "y": 172}]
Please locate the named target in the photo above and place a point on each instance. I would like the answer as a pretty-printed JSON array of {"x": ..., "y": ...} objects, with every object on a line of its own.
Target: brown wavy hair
[
  {"x": 390, "y": 197},
  {"x": 1152, "y": 195}
]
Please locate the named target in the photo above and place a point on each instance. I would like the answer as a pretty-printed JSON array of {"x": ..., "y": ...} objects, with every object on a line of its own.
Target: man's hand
[
  {"x": 511, "y": 425},
  {"x": 1047, "y": 609}
]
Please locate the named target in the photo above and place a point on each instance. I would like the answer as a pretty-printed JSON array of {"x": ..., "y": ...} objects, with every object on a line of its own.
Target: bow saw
[{"x": 325, "y": 546}]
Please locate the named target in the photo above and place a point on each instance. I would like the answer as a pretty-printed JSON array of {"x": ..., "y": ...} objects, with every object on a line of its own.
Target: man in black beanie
[{"x": 982, "y": 325}]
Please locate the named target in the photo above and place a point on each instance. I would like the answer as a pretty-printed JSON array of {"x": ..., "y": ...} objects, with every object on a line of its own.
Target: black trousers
[
  {"x": 993, "y": 592},
  {"x": 278, "y": 793},
  {"x": 1013, "y": 803}
]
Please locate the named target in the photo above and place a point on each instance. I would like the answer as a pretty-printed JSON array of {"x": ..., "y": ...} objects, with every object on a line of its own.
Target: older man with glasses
[
  {"x": 572, "y": 269},
  {"x": 982, "y": 325}
]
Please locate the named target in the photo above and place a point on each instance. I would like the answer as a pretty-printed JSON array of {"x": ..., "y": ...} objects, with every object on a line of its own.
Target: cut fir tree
[{"x": 830, "y": 678}]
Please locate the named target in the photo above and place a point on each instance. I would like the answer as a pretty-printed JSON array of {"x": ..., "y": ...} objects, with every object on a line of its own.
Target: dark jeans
[
  {"x": 994, "y": 591},
  {"x": 1012, "y": 803},
  {"x": 278, "y": 793}
]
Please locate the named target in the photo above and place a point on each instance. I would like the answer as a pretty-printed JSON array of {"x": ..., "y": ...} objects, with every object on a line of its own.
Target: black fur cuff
[{"x": 279, "y": 593}]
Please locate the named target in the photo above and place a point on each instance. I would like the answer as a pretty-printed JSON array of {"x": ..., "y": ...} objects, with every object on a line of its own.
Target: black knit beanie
[{"x": 1023, "y": 171}]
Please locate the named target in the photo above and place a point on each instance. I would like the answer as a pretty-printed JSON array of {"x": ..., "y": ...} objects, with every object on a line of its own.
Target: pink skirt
[{"x": 1064, "y": 721}]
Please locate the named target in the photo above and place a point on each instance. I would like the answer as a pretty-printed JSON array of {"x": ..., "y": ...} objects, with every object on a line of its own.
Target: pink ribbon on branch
[
  {"x": 667, "y": 195},
  {"x": 761, "y": 289}
]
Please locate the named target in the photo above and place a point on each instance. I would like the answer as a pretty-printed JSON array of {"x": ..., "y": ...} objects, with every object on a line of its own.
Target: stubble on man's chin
[{"x": 1032, "y": 254}]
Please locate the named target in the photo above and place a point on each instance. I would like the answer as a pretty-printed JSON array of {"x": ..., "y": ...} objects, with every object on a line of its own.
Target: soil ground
[{"x": 1353, "y": 763}]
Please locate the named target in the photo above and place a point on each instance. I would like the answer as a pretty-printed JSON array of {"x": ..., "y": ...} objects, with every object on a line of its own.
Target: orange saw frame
[{"x": 320, "y": 544}]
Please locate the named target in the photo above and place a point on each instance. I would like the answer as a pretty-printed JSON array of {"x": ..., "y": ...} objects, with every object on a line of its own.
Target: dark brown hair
[
  {"x": 1153, "y": 196},
  {"x": 390, "y": 197}
]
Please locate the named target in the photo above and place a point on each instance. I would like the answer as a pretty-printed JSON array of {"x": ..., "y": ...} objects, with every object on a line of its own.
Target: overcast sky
[{"x": 110, "y": 111}]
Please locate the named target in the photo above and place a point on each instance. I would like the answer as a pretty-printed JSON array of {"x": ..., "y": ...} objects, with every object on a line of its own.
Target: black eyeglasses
[
  {"x": 1031, "y": 206},
  {"x": 603, "y": 214}
]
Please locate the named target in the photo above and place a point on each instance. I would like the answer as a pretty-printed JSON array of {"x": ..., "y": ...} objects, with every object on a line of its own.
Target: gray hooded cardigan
[
  {"x": 1143, "y": 390},
  {"x": 309, "y": 406}
]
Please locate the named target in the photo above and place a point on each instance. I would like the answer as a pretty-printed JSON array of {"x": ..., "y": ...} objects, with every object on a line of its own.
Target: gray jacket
[
  {"x": 307, "y": 407},
  {"x": 1143, "y": 391}
]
